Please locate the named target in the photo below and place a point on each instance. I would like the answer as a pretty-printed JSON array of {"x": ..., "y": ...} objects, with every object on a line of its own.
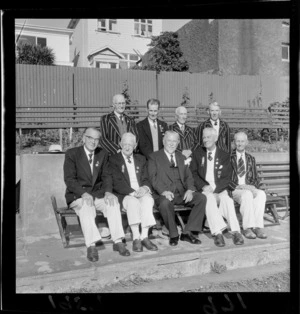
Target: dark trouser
[{"x": 195, "y": 220}]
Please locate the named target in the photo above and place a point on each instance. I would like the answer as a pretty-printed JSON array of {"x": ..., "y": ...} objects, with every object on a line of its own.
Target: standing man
[
  {"x": 132, "y": 186},
  {"x": 222, "y": 128},
  {"x": 212, "y": 172},
  {"x": 188, "y": 140},
  {"x": 173, "y": 184},
  {"x": 245, "y": 186},
  {"x": 151, "y": 130},
  {"x": 89, "y": 188},
  {"x": 114, "y": 125}
]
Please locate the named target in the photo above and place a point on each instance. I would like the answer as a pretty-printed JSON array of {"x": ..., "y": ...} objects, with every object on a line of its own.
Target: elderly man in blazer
[
  {"x": 222, "y": 128},
  {"x": 212, "y": 171},
  {"x": 151, "y": 130},
  {"x": 89, "y": 188},
  {"x": 173, "y": 184},
  {"x": 114, "y": 125},
  {"x": 245, "y": 189},
  {"x": 188, "y": 140},
  {"x": 132, "y": 186}
]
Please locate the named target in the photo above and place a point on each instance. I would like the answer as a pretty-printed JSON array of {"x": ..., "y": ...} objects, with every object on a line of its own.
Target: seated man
[
  {"x": 89, "y": 188},
  {"x": 212, "y": 170},
  {"x": 245, "y": 184},
  {"x": 188, "y": 140},
  {"x": 132, "y": 186},
  {"x": 173, "y": 184}
]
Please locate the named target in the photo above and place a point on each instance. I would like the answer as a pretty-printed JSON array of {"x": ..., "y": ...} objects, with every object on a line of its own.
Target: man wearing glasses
[
  {"x": 89, "y": 188},
  {"x": 114, "y": 125}
]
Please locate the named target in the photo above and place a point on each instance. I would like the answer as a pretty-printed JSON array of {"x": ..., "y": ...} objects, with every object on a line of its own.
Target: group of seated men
[{"x": 175, "y": 165}]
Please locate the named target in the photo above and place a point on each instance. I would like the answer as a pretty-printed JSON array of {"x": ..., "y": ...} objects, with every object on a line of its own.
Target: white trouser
[
  {"x": 252, "y": 207},
  {"x": 220, "y": 205},
  {"x": 87, "y": 215},
  {"x": 139, "y": 210}
]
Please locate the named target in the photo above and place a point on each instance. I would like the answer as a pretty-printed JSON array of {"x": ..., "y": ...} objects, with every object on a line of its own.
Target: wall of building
[
  {"x": 199, "y": 44},
  {"x": 250, "y": 47}
]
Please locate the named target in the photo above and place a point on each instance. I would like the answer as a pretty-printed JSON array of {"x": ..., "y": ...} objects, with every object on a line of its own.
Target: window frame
[
  {"x": 35, "y": 39},
  {"x": 105, "y": 29},
  {"x": 147, "y": 23},
  {"x": 285, "y": 45}
]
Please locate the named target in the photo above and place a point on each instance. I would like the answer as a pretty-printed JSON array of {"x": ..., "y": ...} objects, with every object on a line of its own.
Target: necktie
[
  {"x": 91, "y": 159},
  {"x": 241, "y": 167},
  {"x": 172, "y": 162},
  {"x": 154, "y": 124},
  {"x": 182, "y": 128},
  {"x": 129, "y": 160},
  {"x": 209, "y": 156},
  {"x": 216, "y": 123},
  {"x": 121, "y": 118}
]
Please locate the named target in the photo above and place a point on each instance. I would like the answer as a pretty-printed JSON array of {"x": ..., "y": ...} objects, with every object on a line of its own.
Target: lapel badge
[
  {"x": 202, "y": 163},
  {"x": 97, "y": 163},
  {"x": 123, "y": 168}
]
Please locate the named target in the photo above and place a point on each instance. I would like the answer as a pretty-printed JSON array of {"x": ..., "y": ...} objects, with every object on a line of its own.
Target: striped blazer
[
  {"x": 188, "y": 137},
  {"x": 224, "y": 134},
  {"x": 110, "y": 134},
  {"x": 251, "y": 171}
]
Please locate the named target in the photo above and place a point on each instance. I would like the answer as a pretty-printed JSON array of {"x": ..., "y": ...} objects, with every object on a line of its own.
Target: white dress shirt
[
  {"x": 131, "y": 171},
  {"x": 88, "y": 157},
  {"x": 210, "y": 174},
  {"x": 242, "y": 180},
  {"x": 169, "y": 157},
  {"x": 216, "y": 127}
]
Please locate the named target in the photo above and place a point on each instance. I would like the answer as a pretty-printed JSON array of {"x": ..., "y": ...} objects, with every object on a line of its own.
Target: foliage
[
  {"x": 280, "y": 107},
  {"x": 185, "y": 98},
  {"x": 164, "y": 55},
  {"x": 130, "y": 105},
  {"x": 34, "y": 54}
]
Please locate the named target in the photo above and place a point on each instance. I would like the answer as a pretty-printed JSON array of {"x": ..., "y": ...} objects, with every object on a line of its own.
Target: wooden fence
[{"x": 62, "y": 97}]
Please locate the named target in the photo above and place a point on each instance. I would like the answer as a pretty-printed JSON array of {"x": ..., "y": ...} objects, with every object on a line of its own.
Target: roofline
[
  {"x": 104, "y": 48},
  {"x": 73, "y": 23},
  {"x": 31, "y": 27}
]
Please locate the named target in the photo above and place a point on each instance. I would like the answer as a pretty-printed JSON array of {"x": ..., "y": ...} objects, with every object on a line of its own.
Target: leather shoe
[
  {"x": 173, "y": 241},
  {"x": 149, "y": 245},
  {"x": 249, "y": 234},
  {"x": 238, "y": 238},
  {"x": 219, "y": 240},
  {"x": 260, "y": 233},
  {"x": 189, "y": 238},
  {"x": 92, "y": 254},
  {"x": 137, "y": 245},
  {"x": 120, "y": 247}
]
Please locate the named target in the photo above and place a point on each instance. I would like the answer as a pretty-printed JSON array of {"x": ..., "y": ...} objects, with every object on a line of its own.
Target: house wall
[
  {"x": 250, "y": 47},
  {"x": 199, "y": 44}
]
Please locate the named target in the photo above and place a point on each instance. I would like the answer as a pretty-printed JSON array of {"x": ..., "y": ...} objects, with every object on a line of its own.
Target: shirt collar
[
  {"x": 180, "y": 125},
  {"x": 213, "y": 122},
  {"x": 212, "y": 152},
  {"x": 152, "y": 121},
  {"x": 125, "y": 157},
  {"x": 88, "y": 152},
  {"x": 118, "y": 114},
  {"x": 169, "y": 155},
  {"x": 238, "y": 154}
]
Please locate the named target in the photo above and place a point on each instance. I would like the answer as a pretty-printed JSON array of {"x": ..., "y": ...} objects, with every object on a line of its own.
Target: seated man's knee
[
  {"x": 247, "y": 196},
  {"x": 164, "y": 203},
  {"x": 199, "y": 197}
]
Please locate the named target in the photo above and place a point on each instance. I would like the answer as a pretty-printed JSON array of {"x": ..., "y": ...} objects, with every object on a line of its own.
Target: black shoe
[
  {"x": 149, "y": 245},
  {"x": 92, "y": 254},
  {"x": 137, "y": 245},
  {"x": 219, "y": 240},
  {"x": 189, "y": 238},
  {"x": 173, "y": 241},
  {"x": 120, "y": 247},
  {"x": 238, "y": 239}
]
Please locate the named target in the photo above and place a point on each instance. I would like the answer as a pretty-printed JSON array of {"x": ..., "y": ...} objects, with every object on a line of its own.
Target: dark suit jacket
[
  {"x": 188, "y": 137},
  {"x": 111, "y": 136},
  {"x": 78, "y": 176},
  {"x": 120, "y": 176},
  {"x": 145, "y": 136},
  {"x": 223, "y": 169},
  {"x": 161, "y": 176},
  {"x": 223, "y": 142},
  {"x": 251, "y": 171}
]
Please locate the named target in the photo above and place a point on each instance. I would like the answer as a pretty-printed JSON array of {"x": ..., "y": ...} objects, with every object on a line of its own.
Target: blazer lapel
[
  {"x": 123, "y": 167},
  {"x": 137, "y": 166},
  {"x": 85, "y": 163},
  {"x": 96, "y": 165},
  {"x": 113, "y": 120},
  {"x": 180, "y": 165},
  {"x": 166, "y": 164},
  {"x": 146, "y": 126}
]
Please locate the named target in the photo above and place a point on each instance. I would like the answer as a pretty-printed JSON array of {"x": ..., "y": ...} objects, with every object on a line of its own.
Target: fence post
[
  {"x": 71, "y": 131},
  {"x": 60, "y": 138},
  {"x": 20, "y": 139}
]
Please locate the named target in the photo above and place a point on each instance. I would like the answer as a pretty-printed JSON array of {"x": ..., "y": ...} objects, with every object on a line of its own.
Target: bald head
[
  {"x": 214, "y": 111},
  {"x": 128, "y": 143},
  {"x": 240, "y": 141},
  {"x": 119, "y": 103},
  {"x": 181, "y": 114},
  {"x": 210, "y": 137}
]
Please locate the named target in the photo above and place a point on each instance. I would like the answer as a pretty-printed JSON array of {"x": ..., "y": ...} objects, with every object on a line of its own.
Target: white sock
[
  {"x": 144, "y": 232},
  {"x": 135, "y": 231}
]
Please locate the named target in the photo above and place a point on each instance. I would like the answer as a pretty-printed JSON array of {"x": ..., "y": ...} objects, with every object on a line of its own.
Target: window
[
  {"x": 107, "y": 25},
  {"x": 285, "y": 52},
  {"x": 129, "y": 61},
  {"x": 32, "y": 40},
  {"x": 143, "y": 27},
  {"x": 106, "y": 65}
]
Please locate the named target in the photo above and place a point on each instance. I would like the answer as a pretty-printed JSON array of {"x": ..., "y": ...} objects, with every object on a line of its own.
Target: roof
[{"x": 105, "y": 48}]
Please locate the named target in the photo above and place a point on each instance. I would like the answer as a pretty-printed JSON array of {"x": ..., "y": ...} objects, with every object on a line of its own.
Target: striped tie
[
  {"x": 209, "y": 156},
  {"x": 91, "y": 159},
  {"x": 241, "y": 167},
  {"x": 172, "y": 162}
]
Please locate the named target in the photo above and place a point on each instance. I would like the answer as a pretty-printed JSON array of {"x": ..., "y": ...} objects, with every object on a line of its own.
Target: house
[
  {"x": 58, "y": 39},
  {"x": 111, "y": 43},
  {"x": 238, "y": 47}
]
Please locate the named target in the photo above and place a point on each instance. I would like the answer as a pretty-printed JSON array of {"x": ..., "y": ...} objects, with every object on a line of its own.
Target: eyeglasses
[{"x": 90, "y": 138}]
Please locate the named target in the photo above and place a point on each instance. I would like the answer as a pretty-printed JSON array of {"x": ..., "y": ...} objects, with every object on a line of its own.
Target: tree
[
  {"x": 34, "y": 54},
  {"x": 165, "y": 54}
]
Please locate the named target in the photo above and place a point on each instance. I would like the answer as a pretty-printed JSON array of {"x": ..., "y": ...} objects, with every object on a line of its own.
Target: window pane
[
  {"x": 133, "y": 57},
  {"x": 125, "y": 55},
  {"x": 113, "y": 65},
  {"x": 149, "y": 21},
  {"x": 136, "y": 20},
  {"x": 42, "y": 42},
  {"x": 136, "y": 29},
  {"x": 26, "y": 39},
  {"x": 285, "y": 52},
  {"x": 149, "y": 30},
  {"x": 112, "y": 25},
  {"x": 123, "y": 65},
  {"x": 143, "y": 29},
  {"x": 143, "y": 21}
]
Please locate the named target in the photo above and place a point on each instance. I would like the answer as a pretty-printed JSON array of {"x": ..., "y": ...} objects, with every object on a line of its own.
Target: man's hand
[
  {"x": 110, "y": 199},
  {"x": 141, "y": 191},
  {"x": 207, "y": 189},
  {"x": 188, "y": 196},
  {"x": 87, "y": 198},
  {"x": 187, "y": 153},
  {"x": 169, "y": 195}
]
